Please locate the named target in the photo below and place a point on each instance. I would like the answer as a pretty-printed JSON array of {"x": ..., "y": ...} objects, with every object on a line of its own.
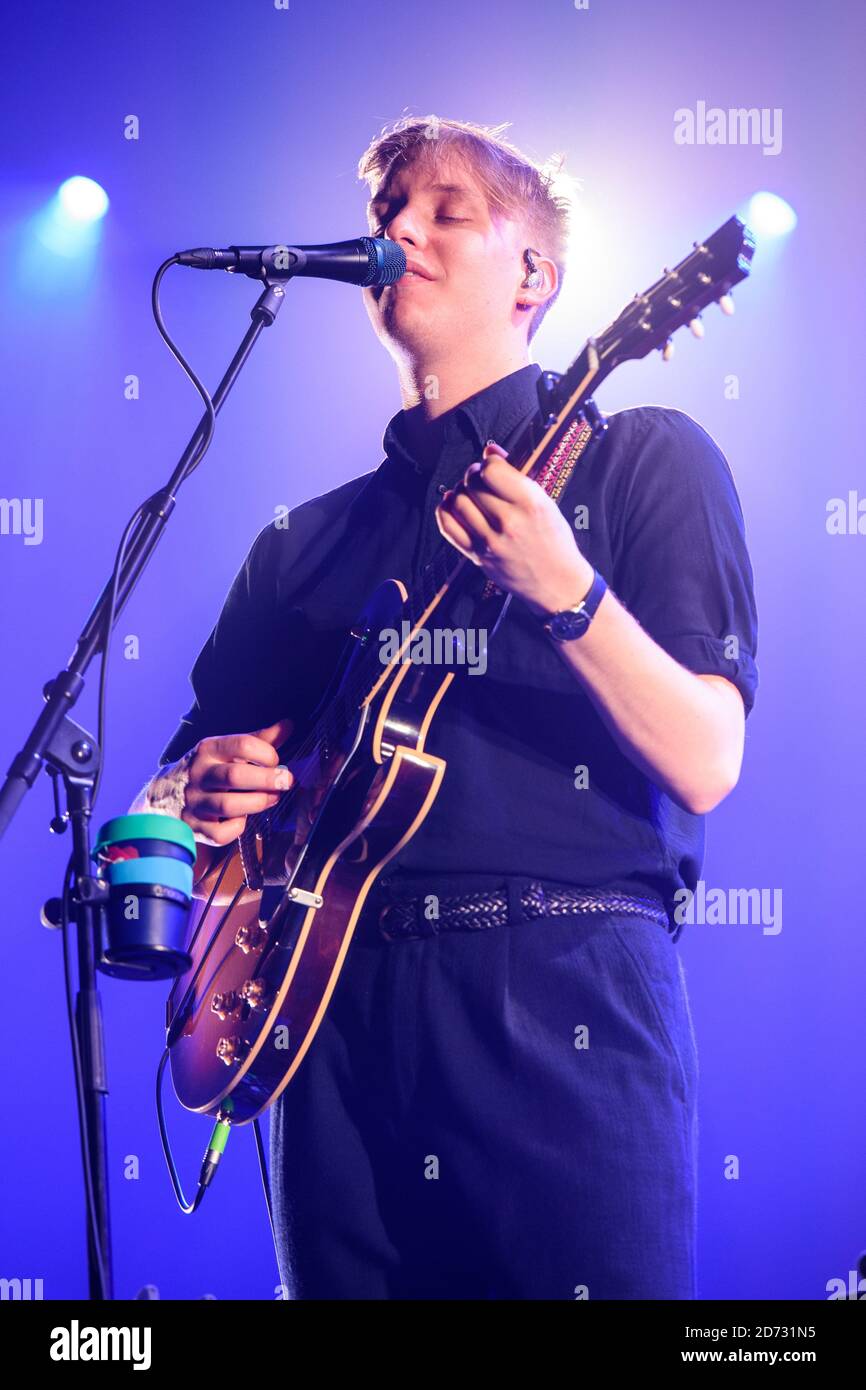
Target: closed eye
[{"x": 442, "y": 217}]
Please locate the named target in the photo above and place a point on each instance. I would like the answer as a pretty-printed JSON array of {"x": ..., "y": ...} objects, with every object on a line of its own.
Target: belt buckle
[{"x": 403, "y": 915}]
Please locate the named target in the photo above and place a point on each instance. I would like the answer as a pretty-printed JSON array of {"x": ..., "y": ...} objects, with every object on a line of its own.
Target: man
[{"x": 500, "y": 1100}]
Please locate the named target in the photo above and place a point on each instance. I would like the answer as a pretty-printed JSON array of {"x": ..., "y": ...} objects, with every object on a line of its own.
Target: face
[{"x": 471, "y": 259}]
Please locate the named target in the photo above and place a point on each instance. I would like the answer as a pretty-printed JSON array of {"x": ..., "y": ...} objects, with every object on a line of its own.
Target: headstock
[{"x": 703, "y": 277}]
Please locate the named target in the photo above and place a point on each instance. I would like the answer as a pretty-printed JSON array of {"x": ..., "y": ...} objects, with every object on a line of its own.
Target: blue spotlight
[
  {"x": 770, "y": 216},
  {"x": 82, "y": 199},
  {"x": 70, "y": 226}
]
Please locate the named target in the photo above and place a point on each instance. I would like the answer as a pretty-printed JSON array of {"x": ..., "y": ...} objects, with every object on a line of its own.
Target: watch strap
[{"x": 577, "y": 619}]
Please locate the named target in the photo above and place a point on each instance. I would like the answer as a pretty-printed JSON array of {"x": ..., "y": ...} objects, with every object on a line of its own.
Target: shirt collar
[{"x": 491, "y": 413}]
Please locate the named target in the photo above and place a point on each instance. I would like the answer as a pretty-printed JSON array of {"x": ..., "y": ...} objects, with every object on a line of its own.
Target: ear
[{"x": 536, "y": 288}]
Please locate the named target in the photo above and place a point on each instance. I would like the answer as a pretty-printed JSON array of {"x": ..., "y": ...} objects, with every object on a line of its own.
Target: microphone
[{"x": 365, "y": 261}]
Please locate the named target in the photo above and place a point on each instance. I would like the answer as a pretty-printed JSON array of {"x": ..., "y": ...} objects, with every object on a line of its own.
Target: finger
[
  {"x": 503, "y": 479},
  {"x": 277, "y": 733},
  {"x": 245, "y": 747},
  {"x": 456, "y": 534},
  {"x": 216, "y": 832},
  {"x": 245, "y": 777},
  {"x": 211, "y": 806},
  {"x": 493, "y": 508},
  {"x": 466, "y": 510}
]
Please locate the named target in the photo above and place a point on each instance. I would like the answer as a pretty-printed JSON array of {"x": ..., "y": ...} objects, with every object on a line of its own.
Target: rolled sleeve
[{"x": 683, "y": 567}]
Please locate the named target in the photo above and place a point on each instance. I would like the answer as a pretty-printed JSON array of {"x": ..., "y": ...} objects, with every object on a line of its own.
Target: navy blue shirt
[{"x": 535, "y": 784}]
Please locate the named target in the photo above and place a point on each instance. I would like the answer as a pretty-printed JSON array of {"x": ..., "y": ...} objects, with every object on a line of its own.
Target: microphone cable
[{"x": 133, "y": 526}]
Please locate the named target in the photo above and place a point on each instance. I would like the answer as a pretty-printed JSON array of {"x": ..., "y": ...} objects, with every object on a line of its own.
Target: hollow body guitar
[{"x": 274, "y": 913}]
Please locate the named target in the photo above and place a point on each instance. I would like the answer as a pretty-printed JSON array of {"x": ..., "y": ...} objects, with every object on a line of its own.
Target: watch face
[{"x": 565, "y": 626}]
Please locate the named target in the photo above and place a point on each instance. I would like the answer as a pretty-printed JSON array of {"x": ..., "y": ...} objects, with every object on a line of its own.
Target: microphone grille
[{"x": 386, "y": 261}]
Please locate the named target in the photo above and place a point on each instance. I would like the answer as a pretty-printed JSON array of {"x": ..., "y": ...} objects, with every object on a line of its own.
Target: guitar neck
[{"x": 535, "y": 443}]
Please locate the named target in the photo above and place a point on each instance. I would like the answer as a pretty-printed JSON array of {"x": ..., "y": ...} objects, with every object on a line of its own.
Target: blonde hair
[{"x": 513, "y": 185}]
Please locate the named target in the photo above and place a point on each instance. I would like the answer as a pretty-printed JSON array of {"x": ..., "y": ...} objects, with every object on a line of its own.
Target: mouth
[
  {"x": 410, "y": 276},
  {"x": 414, "y": 272}
]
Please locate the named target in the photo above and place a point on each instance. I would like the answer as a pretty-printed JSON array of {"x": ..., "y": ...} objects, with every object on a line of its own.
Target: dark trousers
[{"x": 505, "y": 1113}]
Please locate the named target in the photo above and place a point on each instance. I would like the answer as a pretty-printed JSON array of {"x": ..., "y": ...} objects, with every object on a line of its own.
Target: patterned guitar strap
[{"x": 556, "y": 471}]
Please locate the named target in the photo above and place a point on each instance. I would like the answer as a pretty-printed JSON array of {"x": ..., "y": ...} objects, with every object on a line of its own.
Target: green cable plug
[{"x": 216, "y": 1147}]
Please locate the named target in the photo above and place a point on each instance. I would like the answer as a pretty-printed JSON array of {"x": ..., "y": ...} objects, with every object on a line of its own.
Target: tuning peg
[
  {"x": 726, "y": 304},
  {"x": 697, "y": 327},
  {"x": 668, "y": 350}
]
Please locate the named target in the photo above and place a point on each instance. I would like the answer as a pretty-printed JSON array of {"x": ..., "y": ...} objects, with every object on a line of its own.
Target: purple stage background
[{"x": 252, "y": 119}]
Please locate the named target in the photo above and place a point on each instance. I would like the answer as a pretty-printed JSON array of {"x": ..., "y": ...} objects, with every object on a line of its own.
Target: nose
[{"x": 405, "y": 226}]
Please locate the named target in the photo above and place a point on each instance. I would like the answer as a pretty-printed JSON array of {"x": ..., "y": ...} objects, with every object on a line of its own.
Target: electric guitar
[{"x": 274, "y": 913}]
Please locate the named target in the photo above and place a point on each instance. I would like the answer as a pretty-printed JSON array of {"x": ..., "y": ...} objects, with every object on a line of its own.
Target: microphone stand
[{"x": 68, "y": 751}]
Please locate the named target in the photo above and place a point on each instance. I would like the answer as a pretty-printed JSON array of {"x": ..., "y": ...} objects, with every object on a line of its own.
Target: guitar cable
[
  {"x": 210, "y": 1162},
  {"x": 219, "y": 1136}
]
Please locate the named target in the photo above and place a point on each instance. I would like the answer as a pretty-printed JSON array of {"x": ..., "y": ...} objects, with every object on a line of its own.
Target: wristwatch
[{"x": 573, "y": 622}]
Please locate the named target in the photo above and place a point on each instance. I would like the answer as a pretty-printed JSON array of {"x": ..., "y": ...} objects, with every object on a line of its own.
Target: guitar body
[{"x": 242, "y": 1018}]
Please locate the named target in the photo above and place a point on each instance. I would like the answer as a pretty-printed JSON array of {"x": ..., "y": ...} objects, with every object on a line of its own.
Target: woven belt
[{"x": 407, "y": 918}]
